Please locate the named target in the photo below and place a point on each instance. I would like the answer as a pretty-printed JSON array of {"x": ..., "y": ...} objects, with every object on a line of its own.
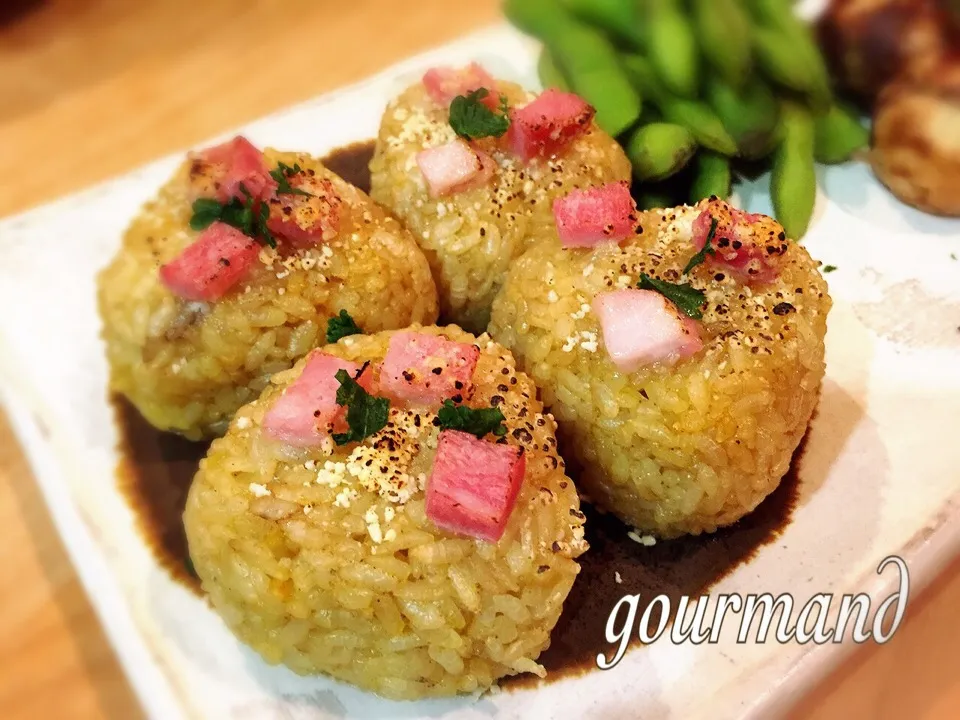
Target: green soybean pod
[
  {"x": 838, "y": 133},
  {"x": 589, "y": 60},
  {"x": 711, "y": 176},
  {"x": 723, "y": 29},
  {"x": 779, "y": 16},
  {"x": 707, "y": 128},
  {"x": 641, "y": 73},
  {"x": 659, "y": 149},
  {"x": 779, "y": 60},
  {"x": 749, "y": 115},
  {"x": 619, "y": 18},
  {"x": 549, "y": 73},
  {"x": 793, "y": 182},
  {"x": 672, "y": 46}
]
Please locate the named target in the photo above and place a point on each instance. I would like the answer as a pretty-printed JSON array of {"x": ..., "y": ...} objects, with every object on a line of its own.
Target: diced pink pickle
[
  {"x": 445, "y": 83},
  {"x": 642, "y": 327},
  {"x": 454, "y": 167},
  {"x": 747, "y": 245},
  {"x": 303, "y": 220},
  {"x": 211, "y": 265},
  {"x": 595, "y": 215},
  {"x": 307, "y": 411},
  {"x": 547, "y": 125},
  {"x": 474, "y": 485},
  {"x": 222, "y": 169},
  {"x": 427, "y": 369}
]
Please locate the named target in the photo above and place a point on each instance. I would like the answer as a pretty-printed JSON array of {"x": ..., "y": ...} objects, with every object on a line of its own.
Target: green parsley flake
[
  {"x": 341, "y": 326},
  {"x": 238, "y": 213},
  {"x": 477, "y": 422},
  {"x": 282, "y": 175},
  {"x": 829, "y": 268},
  {"x": 205, "y": 212},
  {"x": 366, "y": 414},
  {"x": 701, "y": 257},
  {"x": 686, "y": 297},
  {"x": 472, "y": 120}
]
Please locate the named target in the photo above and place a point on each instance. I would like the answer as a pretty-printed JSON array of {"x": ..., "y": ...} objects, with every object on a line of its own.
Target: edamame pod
[
  {"x": 549, "y": 73},
  {"x": 702, "y": 122},
  {"x": 619, "y": 18},
  {"x": 779, "y": 60},
  {"x": 779, "y": 16},
  {"x": 708, "y": 129},
  {"x": 723, "y": 29},
  {"x": 711, "y": 176},
  {"x": 838, "y": 134},
  {"x": 659, "y": 150},
  {"x": 589, "y": 60},
  {"x": 672, "y": 46},
  {"x": 749, "y": 115},
  {"x": 793, "y": 182}
]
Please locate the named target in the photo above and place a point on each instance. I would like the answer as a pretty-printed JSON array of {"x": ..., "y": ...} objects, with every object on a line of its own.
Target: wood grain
[{"x": 90, "y": 89}]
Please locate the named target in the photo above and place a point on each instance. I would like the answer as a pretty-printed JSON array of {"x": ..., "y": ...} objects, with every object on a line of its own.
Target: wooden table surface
[{"x": 89, "y": 89}]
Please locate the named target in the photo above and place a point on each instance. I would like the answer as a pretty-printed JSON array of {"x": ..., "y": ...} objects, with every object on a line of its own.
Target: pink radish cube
[
  {"x": 445, "y": 83},
  {"x": 474, "y": 485},
  {"x": 747, "y": 245},
  {"x": 305, "y": 220},
  {"x": 307, "y": 411},
  {"x": 230, "y": 165},
  {"x": 601, "y": 214},
  {"x": 454, "y": 167},
  {"x": 427, "y": 369},
  {"x": 548, "y": 124},
  {"x": 642, "y": 327},
  {"x": 211, "y": 265}
]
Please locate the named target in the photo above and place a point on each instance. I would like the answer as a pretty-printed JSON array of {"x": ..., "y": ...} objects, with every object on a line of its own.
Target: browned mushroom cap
[
  {"x": 868, "y": 43},
  {"x": 916, "y": 139}
]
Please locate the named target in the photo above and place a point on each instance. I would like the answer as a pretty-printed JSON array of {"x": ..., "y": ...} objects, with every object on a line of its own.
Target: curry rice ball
[
  {"x": 678, "y": 424},
  {"x": 475, "y": 207},
  {"x": 414, "y": 560},
  {"x": 197, "y": 320}
]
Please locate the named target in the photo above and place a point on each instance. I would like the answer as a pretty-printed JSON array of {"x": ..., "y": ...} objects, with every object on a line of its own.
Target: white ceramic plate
[{"x": 880, "y": 474}]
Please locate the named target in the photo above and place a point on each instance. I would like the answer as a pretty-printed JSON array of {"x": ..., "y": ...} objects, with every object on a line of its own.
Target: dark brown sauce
[
  {"x": 156, "y": 469},
  {"x": 685, "y": 566},
  {"x": 352, "y": 163},
  {"x": 154, "y": 474}
]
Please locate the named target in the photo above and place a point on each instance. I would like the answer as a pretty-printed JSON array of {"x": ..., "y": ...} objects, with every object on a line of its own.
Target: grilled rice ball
[
  {"x": 471, "y": 237},
  {"x": 188, "y": 365},
  {"x": 325, "y": 559},
  {"x": 673, "y": 448}
]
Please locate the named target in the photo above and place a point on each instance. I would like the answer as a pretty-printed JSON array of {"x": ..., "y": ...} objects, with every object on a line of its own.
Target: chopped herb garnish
[
  {"x": 366, "y": 414},
  {"x": 341, "y": 326},
  {"x": 472, "y": 120},
  {"x": 282, "y": 174},
  {"x": 685, "y": 296},
  {"x": 238, "y": 213},
  {"x": 188, "y": 566},
  {"x": 953, "y": 256},
  {"x": 205, "y": 212},
  {"x": 829, "y": 268},
  {"x": 701, "y": 257},
  {"x": 477, "y": 422}
]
